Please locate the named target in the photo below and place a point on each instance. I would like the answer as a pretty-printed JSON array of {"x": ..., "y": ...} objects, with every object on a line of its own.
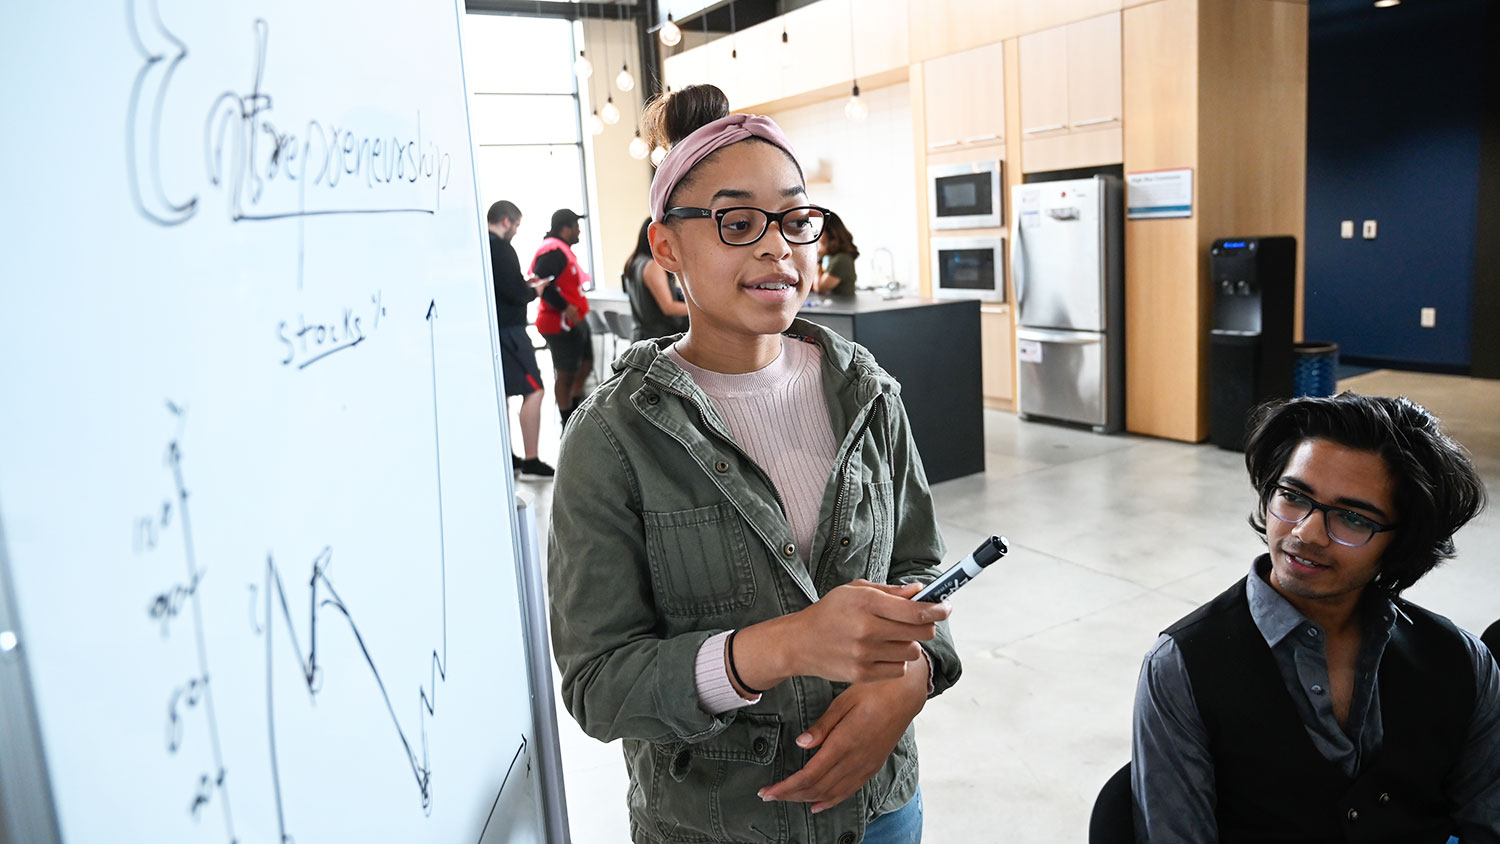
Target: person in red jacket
[{"x": 559, "y": 317}]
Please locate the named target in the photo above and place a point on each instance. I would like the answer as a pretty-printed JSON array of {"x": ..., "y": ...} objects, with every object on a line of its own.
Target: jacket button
[
  {"x": 682, "y": 760},
  {"x": 1385, "y": 799},
  {"x": 722, "y": 466},
  {"x": 846, "y": 838},
  {"x": 1353, "y": 815},
  {"x": 844, "y": 541},
  {"x": 653, "y": 398},
  {"x": 789, "y": 549},
  {"x": 759, "y": 746}
]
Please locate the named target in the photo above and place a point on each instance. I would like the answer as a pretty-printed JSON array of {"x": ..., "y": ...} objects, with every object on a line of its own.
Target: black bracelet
[{"x": 729, "y": 658}]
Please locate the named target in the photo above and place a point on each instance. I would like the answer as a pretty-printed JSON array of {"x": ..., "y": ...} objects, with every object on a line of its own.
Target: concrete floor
[{"x": 1113, "y": 538}]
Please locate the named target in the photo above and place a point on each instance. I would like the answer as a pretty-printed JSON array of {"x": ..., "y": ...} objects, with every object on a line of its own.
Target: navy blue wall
[{"x": 1394, "y": 106}]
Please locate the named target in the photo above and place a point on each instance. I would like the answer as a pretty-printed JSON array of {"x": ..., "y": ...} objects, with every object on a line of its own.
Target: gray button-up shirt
[{"x": 1172, "y": 774}]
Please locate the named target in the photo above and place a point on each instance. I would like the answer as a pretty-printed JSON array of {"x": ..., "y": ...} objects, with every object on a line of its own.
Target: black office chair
[
  {"x": 1491, "y": 638},
  {"x": 622, "y": 325},
  {"x": 1113, "y": 820}
]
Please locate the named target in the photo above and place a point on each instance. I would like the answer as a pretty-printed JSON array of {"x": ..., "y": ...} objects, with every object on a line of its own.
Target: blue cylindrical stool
[{"x": 1314, "y": 366}]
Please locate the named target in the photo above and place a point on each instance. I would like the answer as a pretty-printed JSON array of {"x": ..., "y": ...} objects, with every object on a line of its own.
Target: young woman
[
  {"x": 657, "y": 313},
  {"x": 739, "y": 520},
  {"x": 836, "y": 253}
]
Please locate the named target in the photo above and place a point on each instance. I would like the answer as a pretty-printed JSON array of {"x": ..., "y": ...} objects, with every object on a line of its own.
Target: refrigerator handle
[{"x": 1017, "y": 261}]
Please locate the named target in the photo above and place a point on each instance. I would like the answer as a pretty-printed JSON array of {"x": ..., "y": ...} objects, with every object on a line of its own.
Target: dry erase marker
[{"x": 964, "y": 570}]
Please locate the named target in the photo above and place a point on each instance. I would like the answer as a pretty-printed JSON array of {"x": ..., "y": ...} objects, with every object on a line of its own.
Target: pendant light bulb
[
  {"x": 639, "y": 149},
  {"x": 595, "y": 125},
  {"x": 670, "y": 33},
  {"x": 583, "y": 68},
  {"x": 856, "y": 109},
  {"x": 610, "y": 113},
  {"x": 657, "y": 155},
  {"x": 624, "y": 81}
]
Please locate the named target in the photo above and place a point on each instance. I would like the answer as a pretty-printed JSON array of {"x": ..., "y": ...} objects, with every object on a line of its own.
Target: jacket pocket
[
  {"x": 706, "y": 791},
  {"x": 700, "y": 561}
]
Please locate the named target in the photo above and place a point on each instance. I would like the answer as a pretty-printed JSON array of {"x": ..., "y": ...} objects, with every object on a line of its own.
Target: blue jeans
[{"x": 903, "y": 826}]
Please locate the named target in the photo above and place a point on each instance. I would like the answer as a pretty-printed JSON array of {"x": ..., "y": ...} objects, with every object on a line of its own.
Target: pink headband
[{"x": 705, "y": 141}]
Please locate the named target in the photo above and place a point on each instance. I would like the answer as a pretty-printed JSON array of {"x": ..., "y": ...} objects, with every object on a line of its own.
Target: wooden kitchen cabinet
[
  {"x": 1071, "y": 101},
  {"x": 998, "y": 356},
  {"x": 964, "y": 96}
]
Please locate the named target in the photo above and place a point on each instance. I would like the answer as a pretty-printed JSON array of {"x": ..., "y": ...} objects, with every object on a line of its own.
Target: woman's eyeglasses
[
  {"x": 1345, "y": 527},
  {"x": 742, "y": 225}
]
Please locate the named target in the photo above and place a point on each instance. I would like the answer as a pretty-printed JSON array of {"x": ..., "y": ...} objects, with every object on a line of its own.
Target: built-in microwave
[
  {"x": 968, "y": 268},
  {"x": 966, "y": 196}
]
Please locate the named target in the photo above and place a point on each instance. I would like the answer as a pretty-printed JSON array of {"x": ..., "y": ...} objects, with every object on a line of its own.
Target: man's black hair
[
  {"x": 1437, "y": 488},
  {"x": 502, "y": 210}
]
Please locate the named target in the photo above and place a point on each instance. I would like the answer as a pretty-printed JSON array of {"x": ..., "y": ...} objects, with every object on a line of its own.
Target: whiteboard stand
[
  {"x": 26, "y": 809},
  {"x": 539, "y": 659}
]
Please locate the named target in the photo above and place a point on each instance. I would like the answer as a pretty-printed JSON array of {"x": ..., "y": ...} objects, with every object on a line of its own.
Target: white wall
[{"x": 873, "y": 186}]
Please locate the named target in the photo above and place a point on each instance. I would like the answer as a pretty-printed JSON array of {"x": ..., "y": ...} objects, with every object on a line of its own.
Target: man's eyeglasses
[
  {"x": 1345, "y": 527},
  {"x": 742, "y": 225}
]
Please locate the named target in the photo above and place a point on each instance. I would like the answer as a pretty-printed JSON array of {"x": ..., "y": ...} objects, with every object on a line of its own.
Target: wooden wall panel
[
  {"x": 1252, "y": 143},
  {"x": 1165, "y": 340}
]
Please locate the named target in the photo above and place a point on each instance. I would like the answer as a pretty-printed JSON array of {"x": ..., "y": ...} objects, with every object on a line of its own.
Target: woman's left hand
[{"x": 854, "y": 738}]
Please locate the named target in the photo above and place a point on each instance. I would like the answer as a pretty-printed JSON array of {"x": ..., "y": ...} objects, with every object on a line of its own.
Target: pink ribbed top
[{"x": 779, "y": 416}]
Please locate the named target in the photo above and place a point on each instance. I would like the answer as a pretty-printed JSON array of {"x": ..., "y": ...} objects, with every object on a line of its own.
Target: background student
[{"x": 656, "y": 309}]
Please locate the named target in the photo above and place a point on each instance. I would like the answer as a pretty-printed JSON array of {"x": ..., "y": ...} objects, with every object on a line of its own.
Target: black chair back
[{"x": 1113, "y": 820}]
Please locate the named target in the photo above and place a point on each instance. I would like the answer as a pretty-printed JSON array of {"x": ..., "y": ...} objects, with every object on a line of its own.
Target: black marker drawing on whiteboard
[
  {"x": 317, "y": 340},
  {"x": 236, "y": 124},
  {"x": 501, "y": 790},
  {"x": 197, "y": 692},
  {"x": 143, "y": 121}
]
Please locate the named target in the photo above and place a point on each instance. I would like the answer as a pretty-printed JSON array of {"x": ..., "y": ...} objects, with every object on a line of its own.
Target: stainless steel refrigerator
[{"x": 1067, "y": 268}]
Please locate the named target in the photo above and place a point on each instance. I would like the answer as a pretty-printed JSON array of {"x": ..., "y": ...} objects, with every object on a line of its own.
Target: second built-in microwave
[
  {"x": 968, "y": 268},
  {"x": 966, "y": 196}
]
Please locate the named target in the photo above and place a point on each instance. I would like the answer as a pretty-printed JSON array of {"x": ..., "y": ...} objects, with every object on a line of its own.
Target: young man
[
  {"x": 1309, "y": 702},
  {"x": 517, "y": 360},
  {"x": 560, "y": 316}
]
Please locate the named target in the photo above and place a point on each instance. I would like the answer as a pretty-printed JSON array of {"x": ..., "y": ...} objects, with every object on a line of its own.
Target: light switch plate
[
  {"x": 1429, "y": 317},
  {"x": 1346, "y": 229},
  {"x": 1369, "y": 229}
]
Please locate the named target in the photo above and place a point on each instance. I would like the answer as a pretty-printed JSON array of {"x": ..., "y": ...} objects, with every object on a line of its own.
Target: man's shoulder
[{"x": 1209, "y": 614}]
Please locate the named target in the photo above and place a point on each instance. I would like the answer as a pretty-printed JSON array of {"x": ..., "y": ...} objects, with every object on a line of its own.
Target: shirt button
[
  {"x": 759, "y": 746},
  {"x": 846, "y": 838},
  {"x": 1353, "y": 815},
  {"x": 1312, "y": 631},
  {"x": 653, "y": 398},
  {"x": 1385, "y": 799},
  {"x": 844, "y": 541},
  {"x": 789, "y": 549},
  {"x": 1317, "y": 690},
  {"x": 721, "y": 467}
]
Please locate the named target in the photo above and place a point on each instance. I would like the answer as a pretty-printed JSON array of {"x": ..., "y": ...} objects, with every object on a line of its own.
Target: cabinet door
[
  {"x": 997, "y": 351},
  {"x": 689, "y": 67},
  {"x": 880, "y": 36},
  {"x": 818, "y": 38},
  {"x": 725, "y": 70},
  {"x": 1044, "y": 83},
  {"x": 946, "y": 101},
  {"x": 1094, "y": 73},
  {"x": 984, "y": 95},
  {"x": 761, "y": 55}
]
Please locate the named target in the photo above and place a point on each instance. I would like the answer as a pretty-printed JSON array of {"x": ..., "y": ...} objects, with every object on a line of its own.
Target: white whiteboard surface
[{"x": 257, "y": 534}]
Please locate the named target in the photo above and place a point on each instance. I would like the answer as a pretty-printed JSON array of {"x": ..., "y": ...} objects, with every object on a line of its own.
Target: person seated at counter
[
  {"x": 1310, "y": 702},
  {"x": 655, "y": 303},
  {"x": 836, "y": 254}
]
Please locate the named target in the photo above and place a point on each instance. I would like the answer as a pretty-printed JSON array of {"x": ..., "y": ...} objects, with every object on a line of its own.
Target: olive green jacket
[{"x": 664, "y": 533}]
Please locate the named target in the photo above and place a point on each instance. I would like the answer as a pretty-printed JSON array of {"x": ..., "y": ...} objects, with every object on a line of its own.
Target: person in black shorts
[
  {"x": 513, "y": 290},
  {"x": 560, "y": 315}
]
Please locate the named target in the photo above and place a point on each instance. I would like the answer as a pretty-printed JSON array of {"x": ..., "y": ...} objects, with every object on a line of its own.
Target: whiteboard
[{"x": 260, "y": 568}]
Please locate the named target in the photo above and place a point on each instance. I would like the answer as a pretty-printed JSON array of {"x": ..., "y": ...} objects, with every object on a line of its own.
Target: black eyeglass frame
[
  {"x": 689, "y": 212},
  {"x": 1316, "y": 506}
]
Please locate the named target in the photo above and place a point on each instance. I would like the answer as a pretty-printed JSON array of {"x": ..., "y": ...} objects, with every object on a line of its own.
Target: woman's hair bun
[{"x": 677, "y": 114}]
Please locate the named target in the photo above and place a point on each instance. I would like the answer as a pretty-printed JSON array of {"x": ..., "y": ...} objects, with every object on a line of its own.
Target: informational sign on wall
[{"x": 1159, "y": 193}]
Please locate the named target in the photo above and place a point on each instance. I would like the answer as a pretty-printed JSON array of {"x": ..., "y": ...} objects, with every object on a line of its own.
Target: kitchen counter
[{"x": 932, "y": 347}]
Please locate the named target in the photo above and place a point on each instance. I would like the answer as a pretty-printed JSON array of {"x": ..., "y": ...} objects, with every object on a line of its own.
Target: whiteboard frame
[
  {"x": 539, "y": 669},
  {"x": 27, "y": 811}
]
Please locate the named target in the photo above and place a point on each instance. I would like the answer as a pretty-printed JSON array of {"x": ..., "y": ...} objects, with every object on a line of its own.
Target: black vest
[{"x": 1271, "y": 782}]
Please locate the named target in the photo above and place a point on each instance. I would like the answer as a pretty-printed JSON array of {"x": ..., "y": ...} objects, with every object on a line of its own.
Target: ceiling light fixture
[
  {"x": 1386, "y": 4},
  {"x": 670, "y": 33}
]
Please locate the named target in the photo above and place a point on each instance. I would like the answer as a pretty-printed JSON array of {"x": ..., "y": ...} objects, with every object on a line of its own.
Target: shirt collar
[{"x": 1276, "y": 618}]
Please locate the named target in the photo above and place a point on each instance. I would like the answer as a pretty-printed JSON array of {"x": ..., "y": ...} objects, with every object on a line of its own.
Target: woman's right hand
[{"x": 857, "y": 633}]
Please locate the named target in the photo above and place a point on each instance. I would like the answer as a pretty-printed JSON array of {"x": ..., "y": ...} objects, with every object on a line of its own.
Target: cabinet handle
[
  {"x": 977, "y": 138},
  {"x": 1037, "y": 130},
  {"x": 1095, "y": 121},
  {"x": 952, "y": 143}
]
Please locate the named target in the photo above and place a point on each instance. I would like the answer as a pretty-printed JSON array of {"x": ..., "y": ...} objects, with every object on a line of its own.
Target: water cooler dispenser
[{"x": 1250, "y": 344}]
